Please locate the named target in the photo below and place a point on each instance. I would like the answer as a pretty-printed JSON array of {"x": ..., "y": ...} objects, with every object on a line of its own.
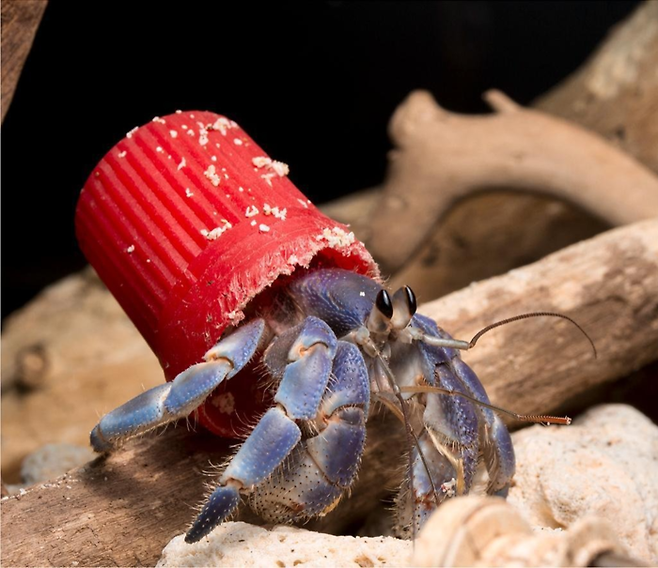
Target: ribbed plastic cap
[{"x": 186, "y": 220}]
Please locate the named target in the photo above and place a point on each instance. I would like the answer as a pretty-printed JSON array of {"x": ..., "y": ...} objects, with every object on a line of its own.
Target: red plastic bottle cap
[{"x": 186, "y": 220}]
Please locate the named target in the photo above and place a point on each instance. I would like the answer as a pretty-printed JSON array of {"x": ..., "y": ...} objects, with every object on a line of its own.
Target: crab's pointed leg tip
[
  {"x": 98, "y": 442},
  {"x": 223, "y": 501}
]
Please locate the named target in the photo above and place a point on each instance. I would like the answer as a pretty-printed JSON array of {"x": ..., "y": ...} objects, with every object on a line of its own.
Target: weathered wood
[
  {"x": 68, "y": 357},
  {"x": 123, "y": 509},
  {"x": 442, "y": 157},
  {"x": 20, "y": 20},
  {"x": 608, "y": 284},
  {"x": 615, "y": 92}
]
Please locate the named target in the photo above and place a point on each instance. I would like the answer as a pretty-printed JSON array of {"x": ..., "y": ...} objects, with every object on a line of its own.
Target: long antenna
[
  {"x": 534, "y": 418},
  {"x": 480, "y": 333}
]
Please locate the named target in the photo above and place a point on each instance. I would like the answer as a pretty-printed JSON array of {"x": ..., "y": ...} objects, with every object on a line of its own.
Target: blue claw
[
  {"x": 140, "y": 414},
  {"x": 350, "y": 383},
  {"x": 337, "y": 449},
  {"x": 171, "y": 401},
  {"x": 220, "y": 505}
]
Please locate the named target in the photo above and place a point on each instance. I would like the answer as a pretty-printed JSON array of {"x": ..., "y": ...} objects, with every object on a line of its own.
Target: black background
[{"x": 314, "y": 83}]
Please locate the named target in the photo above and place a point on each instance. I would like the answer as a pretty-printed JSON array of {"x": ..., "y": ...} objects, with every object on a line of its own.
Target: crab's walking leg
[
  {"x": 179, "y": 398},
  {"x": 496, "y": 441},
  {"x": 308, "y": 350},
  {"x": 444, "y": 461},
  {"x": 449, "y": 445},
  {"x": 417, "y": 501},
  {"x": 313, "y": 479}
]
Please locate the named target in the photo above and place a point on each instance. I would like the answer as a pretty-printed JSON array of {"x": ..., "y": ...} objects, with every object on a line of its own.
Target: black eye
[
  {"x": 384, "y": 304},
  {"x": 411, "y": 300}
]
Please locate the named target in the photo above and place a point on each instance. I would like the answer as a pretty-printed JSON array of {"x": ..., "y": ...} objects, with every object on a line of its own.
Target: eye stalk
[
  {"x": 404, "y": 308},
  {"x": 379, "y": 319},
  {"x": 384, "y": 304},
  {"x": 411, "y": 300}
]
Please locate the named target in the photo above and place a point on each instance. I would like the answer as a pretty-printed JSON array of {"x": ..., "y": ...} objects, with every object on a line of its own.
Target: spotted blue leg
[
  {"x": 445, "y": 459},
  {"x": 320, "y": 469},
  {"x": 179, "y": 398},
  {"x": 302, "y": 358},
  {"x": 495, "y": 441}
]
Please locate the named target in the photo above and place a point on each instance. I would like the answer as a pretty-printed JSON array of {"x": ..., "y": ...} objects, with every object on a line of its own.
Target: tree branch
[
  {"x": 442, "y": 157},
  {"x": 123, "y": 509}
]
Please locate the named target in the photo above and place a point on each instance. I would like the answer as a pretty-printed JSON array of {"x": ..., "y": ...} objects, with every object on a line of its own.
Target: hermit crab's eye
[
  {"x": 411, "y": 300},
  {"x": 379, "y": 320},
  {"x": 404, "y": 307},
  {"x": 384, "y": 304}
]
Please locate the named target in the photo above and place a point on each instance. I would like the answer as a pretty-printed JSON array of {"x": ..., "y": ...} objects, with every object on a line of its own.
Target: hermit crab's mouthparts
[{"x": 186, "y": 220}]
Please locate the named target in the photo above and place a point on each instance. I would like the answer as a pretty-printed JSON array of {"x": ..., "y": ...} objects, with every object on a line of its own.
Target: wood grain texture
[
  {"x": 20, "y": 20},
  {"x": 121, "y": 510},
  {"x": 442, "y": 157},
  {"x": 615, "y": 92}
]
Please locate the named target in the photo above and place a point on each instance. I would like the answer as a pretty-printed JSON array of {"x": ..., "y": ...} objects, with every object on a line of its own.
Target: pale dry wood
[
  {"x": 609, "y": 284},
  {"x": 615, "y": 92},
  {"x": 442, "y": 157},
  {"x": 68, "y": 357},
  {"x": 20, "y": 20}
]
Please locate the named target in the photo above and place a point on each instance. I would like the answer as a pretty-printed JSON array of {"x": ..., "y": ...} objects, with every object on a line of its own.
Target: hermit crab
[{"x": 262, "y": 310}]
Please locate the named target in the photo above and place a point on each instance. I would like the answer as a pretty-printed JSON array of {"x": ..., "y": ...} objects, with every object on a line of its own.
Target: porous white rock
[
  {"x": 241, "y": 544},
  {"x": 604, "y": 465}
]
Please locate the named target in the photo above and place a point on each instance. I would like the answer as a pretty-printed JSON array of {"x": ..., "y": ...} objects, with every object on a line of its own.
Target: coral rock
[
  {"x": 604, "y": 465},
  {"x": 240, "y": 544}
]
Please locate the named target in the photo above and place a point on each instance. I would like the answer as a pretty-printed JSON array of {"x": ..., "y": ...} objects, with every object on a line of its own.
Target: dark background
[{"x": 314, "y": 84}]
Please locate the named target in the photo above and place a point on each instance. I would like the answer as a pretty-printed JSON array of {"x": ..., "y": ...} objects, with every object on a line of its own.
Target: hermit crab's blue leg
[
  {"x": 497, "y": 443},
  {"x": 308, "y": 351},
  {"x": 318, "y": 472},
  {"x": 445, "y": 458},
  {"x": 452, "y": 423},
  {"x": 495, "y": 440},
  {"x": 422, "y": 494},
  {"x": 179, "y": 398}
]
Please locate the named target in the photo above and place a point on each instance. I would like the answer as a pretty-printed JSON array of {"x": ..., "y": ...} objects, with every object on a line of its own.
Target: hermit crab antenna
[
  {"x": 534, "y": 418},
  {"x": 480, "y": 333},
  {"x": 466, "y": 345}
]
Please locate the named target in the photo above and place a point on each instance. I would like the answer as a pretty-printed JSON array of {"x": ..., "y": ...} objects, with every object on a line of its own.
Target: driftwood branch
[
  {"x": 615, "y": 92},
  {"x": 20, "y": 20},
  {"x": 442, "y": 157},
  {"x": 123, "y": 509}
]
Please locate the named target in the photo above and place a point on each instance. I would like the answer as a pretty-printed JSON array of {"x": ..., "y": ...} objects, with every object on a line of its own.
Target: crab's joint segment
[
  {"x": 267, "y": 446},
  {"x": 434, "y": 341},
  {"x": 308, "y": 368}
]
